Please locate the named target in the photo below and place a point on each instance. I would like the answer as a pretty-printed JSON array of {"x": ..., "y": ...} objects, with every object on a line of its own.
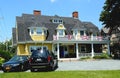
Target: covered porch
[{"x": 74, "y": 50}]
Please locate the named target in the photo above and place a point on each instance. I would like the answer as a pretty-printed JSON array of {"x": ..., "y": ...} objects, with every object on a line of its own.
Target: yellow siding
[
  {"x": 25, "y": 49},
  {"x": 38, "y": 37},
  {"x": 20, "y": 49}
]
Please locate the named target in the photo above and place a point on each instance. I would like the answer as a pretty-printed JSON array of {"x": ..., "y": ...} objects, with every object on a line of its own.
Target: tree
[{"x": 110, "y": 16}]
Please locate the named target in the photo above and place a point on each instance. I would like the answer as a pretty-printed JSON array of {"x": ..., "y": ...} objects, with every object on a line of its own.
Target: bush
[
  {"x": 84, "y": 58},
  {"x": 5, "y": 55},
  {"x": 103, "y": 56},
  {"x": 2, "y": 60}
]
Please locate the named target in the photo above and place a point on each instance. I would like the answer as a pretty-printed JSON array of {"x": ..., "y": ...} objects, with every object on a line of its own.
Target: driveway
[{"x": 89, "y": 65}]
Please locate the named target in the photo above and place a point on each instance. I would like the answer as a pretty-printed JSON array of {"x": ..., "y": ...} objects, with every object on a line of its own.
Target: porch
[{"x": 76, "y": 50}]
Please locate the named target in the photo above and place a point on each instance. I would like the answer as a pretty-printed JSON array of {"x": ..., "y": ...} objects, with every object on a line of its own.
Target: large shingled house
[{"x": 68, "y": 37}]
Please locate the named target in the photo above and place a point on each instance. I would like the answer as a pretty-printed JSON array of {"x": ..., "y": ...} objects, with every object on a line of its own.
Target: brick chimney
[
  {"x": 75, "y": 14},
  {"x": 37, "y": 12}
]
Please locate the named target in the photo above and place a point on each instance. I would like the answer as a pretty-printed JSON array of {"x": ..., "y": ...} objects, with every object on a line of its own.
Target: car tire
[{"x": 32, "y": 70}]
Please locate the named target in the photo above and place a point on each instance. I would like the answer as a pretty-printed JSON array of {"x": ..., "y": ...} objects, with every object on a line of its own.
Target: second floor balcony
[{"x": 80, "y": 38}]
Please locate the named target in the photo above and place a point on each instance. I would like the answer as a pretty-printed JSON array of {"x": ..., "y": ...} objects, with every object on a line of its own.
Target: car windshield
[
  {"x": 17, "y": 58},
  {"x": 37, "y": 53}
]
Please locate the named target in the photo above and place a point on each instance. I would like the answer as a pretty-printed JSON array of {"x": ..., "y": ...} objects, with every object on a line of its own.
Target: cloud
[{"x": 52, "y": 1}]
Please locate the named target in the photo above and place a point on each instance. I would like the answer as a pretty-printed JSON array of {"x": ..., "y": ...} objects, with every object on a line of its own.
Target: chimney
[
  {"x": 37, "y": 12},
  {"x": 75, "y": 14}
]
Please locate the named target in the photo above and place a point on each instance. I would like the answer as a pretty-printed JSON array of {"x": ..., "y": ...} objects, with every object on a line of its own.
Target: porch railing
[
  {"x": 88, "y": 54},
  {"x": 82, "y": 38}
]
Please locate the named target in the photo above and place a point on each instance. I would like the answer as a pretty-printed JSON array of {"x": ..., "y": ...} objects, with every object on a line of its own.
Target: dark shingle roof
[{"x": 29, "y": 20}]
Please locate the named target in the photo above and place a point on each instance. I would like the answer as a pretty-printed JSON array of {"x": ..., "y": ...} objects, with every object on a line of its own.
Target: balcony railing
[{"x": 81, "y": 38}]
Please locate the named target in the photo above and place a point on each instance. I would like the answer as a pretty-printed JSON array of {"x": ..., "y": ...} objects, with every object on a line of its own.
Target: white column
[
  {"x": 92, "y": 50},
  {"x": 108, "y": 45},
  {"x": 58, "y": 51},
  {"x": 53, "y": 49},
  {"x": 84, "y": 33},
  {"x": 92, "y": 36},
  {"x": 77, "y": 53}
]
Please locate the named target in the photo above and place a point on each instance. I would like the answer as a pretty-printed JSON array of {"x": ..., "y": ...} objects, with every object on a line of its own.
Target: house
[{"x": 68, "y": 37}]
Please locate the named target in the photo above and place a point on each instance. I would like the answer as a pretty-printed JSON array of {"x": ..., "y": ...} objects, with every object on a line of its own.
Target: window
[
  {"x": 61, "y": 32},
  {"x": 58, "y": 21},
  {"x": 75, "y": 32},
  {"x": 81, "y": 33},
  {"x": 32, "y": 48},
  {"x": 83, "y": 48},
  {"x": 39, "y": 31},
  {"x": 32, "y": 31}
]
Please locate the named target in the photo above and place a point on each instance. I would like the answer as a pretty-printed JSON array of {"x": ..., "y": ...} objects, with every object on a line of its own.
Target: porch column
[
  {"x": 77, "y": 53},
  {"x": 92, "y": 36},
  {"x": 108, "y": 45},
  {"x": 58, "y": 51},
  {"x": 84, "y": 33},
  {"x": 53, "y": 48},
  {"x": 92, "y": 50}
]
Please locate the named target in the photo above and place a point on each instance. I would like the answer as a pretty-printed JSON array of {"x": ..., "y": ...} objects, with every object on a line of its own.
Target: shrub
[
  {"x": 84, "y": 58},
  {"x": 103, "y": 56},
  {"x": 6, "y": 55},
  {"x": 2, "y": 60}
]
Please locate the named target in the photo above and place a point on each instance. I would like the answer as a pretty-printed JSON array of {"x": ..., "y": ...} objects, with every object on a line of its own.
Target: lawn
[{"x": 64, "y": 74}]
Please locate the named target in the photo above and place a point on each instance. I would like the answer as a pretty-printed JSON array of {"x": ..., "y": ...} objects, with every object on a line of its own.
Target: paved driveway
[{"x": 89, "y": 65}]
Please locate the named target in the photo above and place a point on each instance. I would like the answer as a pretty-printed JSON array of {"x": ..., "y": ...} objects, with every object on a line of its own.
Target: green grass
[{"x": 64, "y": 74}]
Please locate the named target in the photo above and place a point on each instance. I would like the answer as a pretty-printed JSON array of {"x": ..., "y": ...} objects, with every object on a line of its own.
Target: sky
[{"x": 89, "y": 10}]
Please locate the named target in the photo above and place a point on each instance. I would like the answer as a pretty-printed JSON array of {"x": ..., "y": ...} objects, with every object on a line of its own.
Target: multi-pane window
[
  {"x": 61, "y": 32},
  {"x": 39, "y": 31},
  {"x": 58, "y": 21}
]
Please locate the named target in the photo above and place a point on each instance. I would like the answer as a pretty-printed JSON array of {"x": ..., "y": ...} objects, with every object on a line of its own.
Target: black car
[
  {"x": 16, "y": 63},
  {"x": 43, "y": 60}
]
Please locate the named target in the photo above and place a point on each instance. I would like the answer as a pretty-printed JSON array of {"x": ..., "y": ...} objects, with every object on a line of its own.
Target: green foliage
[
  {"x": 2, "y": 60},
  {"x": 6, "y": 55},
  {"x": 84, "y": 58},
  {"x": 103, "y": 56},
  {"x": 110, "y": 14}
]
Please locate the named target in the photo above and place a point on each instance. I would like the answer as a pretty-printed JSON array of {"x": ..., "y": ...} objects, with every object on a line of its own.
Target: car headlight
[{"x": 15, "y": 64}]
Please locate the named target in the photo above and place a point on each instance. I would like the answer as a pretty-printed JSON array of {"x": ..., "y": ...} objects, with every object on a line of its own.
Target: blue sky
[{"x": 89, "y": 10}]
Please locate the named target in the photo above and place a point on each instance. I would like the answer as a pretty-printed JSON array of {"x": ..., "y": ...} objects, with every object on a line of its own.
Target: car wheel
[
  {"x": 32, "y": 70},
  {"x": 22, "y": 68}
]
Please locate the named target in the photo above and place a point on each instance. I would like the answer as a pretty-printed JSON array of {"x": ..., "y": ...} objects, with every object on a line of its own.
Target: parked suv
[{"x": 40, "y": 59}]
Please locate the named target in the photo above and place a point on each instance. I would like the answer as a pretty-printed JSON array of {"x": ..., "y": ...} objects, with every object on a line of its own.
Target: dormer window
[
  {"x": 82, "y": 33},
  {"x": 61, "y": 30},
  {"x": 38, "y": 30},
  {"x": 75, "y": 32},
  {"x": 31, "y": 31},
  {"x": 57, "y": 20}
]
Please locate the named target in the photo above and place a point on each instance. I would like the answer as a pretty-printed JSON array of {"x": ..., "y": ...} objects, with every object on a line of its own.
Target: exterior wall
[
  {"x": 38, "y": 37},
  {"x": 24, "y": 49},
  {"x": 21, "y": 49}
]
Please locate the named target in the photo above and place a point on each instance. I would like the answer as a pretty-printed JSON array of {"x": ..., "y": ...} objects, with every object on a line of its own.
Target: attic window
[{"x": 60, "y": 21}]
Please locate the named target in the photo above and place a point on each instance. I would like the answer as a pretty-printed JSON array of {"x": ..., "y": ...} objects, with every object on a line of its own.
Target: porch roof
[{"x": 84, "y": 42}]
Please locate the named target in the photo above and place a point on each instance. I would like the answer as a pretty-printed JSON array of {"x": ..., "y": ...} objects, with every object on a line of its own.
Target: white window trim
[{"x": 57, "y": 21}]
